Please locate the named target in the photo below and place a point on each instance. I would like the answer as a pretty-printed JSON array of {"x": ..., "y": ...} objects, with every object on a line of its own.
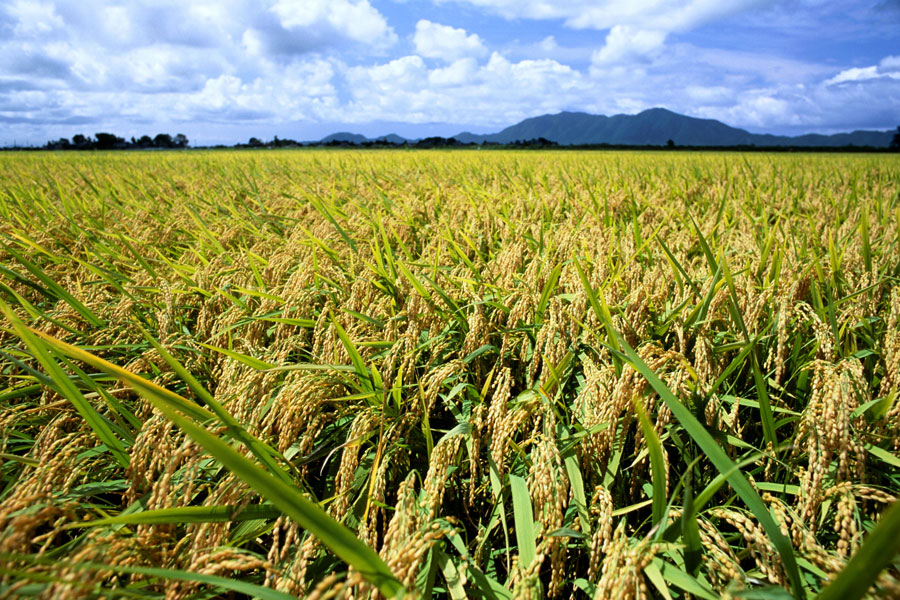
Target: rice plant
[{"x": 336, "y": 374}]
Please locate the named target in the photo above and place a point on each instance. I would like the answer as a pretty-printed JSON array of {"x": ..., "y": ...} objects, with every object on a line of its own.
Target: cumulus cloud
[
  {"x": 494, "y": 93},
  {"x": 889, "y": 67},
  {"x": 627, "y": 44},
  {"x": 356, "y": 20},
  {"x": 33, "y": 18},
  {"x": 433, "y": 40},
  {"x": 105, "y": 62},
  {"x": 661, "y": 15},
  {"x": 457, "y": 73},
  {"x": 126, "y": 67}
]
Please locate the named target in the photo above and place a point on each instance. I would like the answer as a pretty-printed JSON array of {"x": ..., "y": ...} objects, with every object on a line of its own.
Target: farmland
[{"x": 449, "y": 373}]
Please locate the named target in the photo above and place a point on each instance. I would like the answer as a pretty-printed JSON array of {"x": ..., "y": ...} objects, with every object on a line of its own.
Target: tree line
[{"x": 110, "y": 141}]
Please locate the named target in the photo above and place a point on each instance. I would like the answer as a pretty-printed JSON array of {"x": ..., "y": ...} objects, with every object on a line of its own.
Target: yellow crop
[{"x": 485, "y": 374}]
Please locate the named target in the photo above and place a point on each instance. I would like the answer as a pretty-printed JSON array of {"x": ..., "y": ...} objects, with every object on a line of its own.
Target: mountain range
[{"x": 654, "y": 127}]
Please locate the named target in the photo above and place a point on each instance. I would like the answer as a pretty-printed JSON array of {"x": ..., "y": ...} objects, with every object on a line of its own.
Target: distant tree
[
  {"x": 107, "y": 141},
  {"x": 180, "y": 141},
  {"x": 895, "y": 143},
  {"x": 670, "y": 143},
  {"x": 145, "y": 141},
  {"x": 60, "y": 144},
  {"x": 254, "y": 143},
  {"x": 80, "y": 140},
  {"x": 162, "y": 140}
]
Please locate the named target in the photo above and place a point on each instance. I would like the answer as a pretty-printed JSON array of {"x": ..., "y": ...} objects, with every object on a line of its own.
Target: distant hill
[
  {"x": 356, "y": 138},
  {"x": 391, "y": 138},
  {"x": 344, "y": 136},
  {"x": 655, "y": 127}
]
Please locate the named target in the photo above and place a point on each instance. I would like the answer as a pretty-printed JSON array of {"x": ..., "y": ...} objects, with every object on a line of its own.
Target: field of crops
[{"x": 456, "y": 374}]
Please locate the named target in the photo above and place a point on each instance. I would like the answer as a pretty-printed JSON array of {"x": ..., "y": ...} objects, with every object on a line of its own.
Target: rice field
[{"x": 454, "y": 374}]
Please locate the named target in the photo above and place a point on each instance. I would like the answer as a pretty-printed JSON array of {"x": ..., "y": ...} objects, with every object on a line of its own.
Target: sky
[{"x": 224, "y": 70}]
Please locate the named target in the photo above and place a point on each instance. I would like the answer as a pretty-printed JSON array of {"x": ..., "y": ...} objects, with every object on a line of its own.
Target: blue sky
[{"x": 222, "y": 71}]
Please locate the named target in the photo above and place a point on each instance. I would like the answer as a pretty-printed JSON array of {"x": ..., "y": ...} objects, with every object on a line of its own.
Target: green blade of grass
[
  {"x": 677, "y": 266},
  {"x": 57, "y": 289},
  {"x": 877, "y": 552},
  {"x": 67, "y": 388},
  {"x": 263, "y": 453},
  {"x": 36, "y": 313},
  {"x": 724, "y": 464},
  {"x": 293, "y": 503},
  {"x": 359, "y": 365},
  {"x": 690, "y": 529},
  {"x": 253, "y": 363},
  {"x": 284, "y": 496},
  {"x": 548, "y": 290},
  {"x": 243, "y": 587},
  {"x": 657, "y": 462},
  {"x": 523, "y": 516},
  {"x": 599, "y": 306},
  {"x": 417, "y": 285},
  {"x": 765, "y": 407},
  {"x": 141, "y": 385},
  {"x": 577, "y": 483},
  {"x": 187, "y": 514},
  {"x": 451, "y": 576},
  {"x": 679, "y": 578}
]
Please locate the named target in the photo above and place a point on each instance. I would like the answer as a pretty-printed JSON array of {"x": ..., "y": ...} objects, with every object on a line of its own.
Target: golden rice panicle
[
  {"x": 723, "y": 567},
  {"x": 845, "y": 523},
  {"x": 298, "y": 412},
  {"x": 435, "y": 483},
  {"x": 778, "y": 353},
  {"x": 622, "y": 570},
  {"x": 890, "y": 382},
  {"x": 601, "y": 510},
  {"x": 406, "y": 519},
  {"x": 548, "y": 485},
  {"x": 478, "y": 436},
  {"x": 756, "y": 541},
  {"x": 826, "y": 432}
]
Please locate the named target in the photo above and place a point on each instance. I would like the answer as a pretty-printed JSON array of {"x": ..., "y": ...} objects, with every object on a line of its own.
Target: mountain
[
  {"x": 391, "y": 138},
  {"x": 356, "y": 138},
  {"x": 655, "y": 127},
  {"x": 344, "y": 136}
]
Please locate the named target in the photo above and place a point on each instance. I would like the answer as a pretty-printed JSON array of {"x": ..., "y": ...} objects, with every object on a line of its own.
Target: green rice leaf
[
  {"x": 877, "y": 552},
  {"x": 523, "y": 516},
  {"x": 724, "y": 464},
  {"x": 67, "y": 388}
]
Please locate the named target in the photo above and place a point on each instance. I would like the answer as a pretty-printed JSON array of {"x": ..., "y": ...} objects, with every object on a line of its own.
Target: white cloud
[
  {"x": 402, "y": 73},
  {"x": 889, "y": 67},
  {"x": 156, "y": 65},
  {"x": 889, "y": 64},
  {"x": 662, "y": 15},
  {"x": 549, "y": 44},
  {"x": 626, "y": 44},
  {"x": 493, "y": 94},
  {"x": 854, "y": 74},
  {"x": 457, "y": 73},
  {"x": 853, "y": 99},
  {"x": 433, "y": 40},
  {"x": 356, "y": 20},
  {"x": 760, "y": 107},
  {"x": 34, "y": 18}
]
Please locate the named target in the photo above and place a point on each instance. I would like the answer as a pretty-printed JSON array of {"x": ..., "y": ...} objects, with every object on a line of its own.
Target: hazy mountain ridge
[{"x": 653, "y": 127}]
